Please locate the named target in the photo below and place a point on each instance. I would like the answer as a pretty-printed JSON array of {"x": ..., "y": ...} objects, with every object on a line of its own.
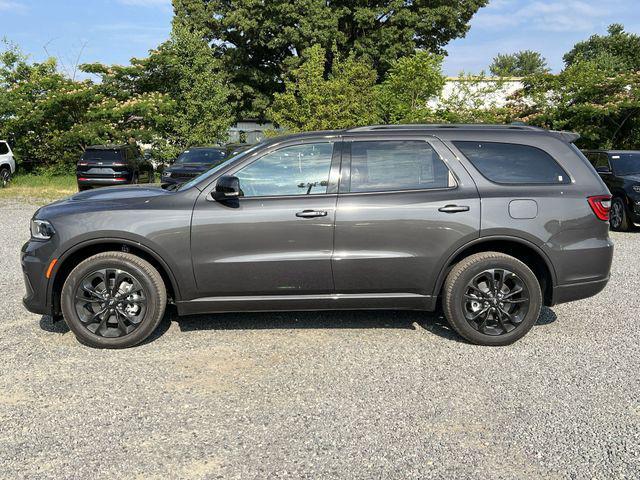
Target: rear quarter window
[
  {"x": 4, "y": 148},
  {"x": 513, "y": 164}
]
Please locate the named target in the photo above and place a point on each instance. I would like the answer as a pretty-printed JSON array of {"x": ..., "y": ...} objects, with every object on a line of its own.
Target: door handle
[
  {"x": 311, "y": 214},
  {"x": 454, "y": 208}
]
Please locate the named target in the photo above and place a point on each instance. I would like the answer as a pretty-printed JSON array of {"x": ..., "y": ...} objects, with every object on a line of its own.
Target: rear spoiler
[{"x": 565, "y": 136}]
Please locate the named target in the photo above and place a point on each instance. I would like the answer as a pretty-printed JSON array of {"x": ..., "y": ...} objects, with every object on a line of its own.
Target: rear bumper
[
  {"x": 102, "y": 181},
  {"x": 578, "y": 291}
]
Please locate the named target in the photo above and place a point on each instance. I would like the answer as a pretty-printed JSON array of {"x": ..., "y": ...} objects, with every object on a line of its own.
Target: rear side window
[
  {"x": 511, "y": 163},
  {"x": 388, "y": 165},
  {"x": 4, "y": 148}
]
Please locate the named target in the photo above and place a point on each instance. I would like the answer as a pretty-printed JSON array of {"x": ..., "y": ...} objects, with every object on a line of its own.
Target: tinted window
[
  {"x": 601, "y": 160},
  {"x": 513, "y": 164},
  {"x": 297, "y": 170},
  {"x": 4, "y": 149},
  {"x": 626, "y": 163},
  {"x": 103, "y": 155},
  {"x": 396, "y": 165},
  {"x": 211, "y": 156}
]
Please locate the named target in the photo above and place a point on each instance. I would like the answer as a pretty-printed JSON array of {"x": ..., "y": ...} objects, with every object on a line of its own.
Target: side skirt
[{"x": 285, "y": 303}]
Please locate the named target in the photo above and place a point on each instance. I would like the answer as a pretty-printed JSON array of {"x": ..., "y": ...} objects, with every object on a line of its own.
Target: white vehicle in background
[{"x": 7, "y": 163}]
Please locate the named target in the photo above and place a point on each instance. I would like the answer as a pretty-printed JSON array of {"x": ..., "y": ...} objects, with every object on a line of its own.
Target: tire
[
  {"x": 497, "y": 321},
  {"x": 5, "y": 177},
  {"x": 131, "y": 313},
  {"x": 619, "y": 217}
]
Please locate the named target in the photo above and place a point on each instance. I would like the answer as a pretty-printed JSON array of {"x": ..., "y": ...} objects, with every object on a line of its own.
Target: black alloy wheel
[
  {"x": 110, "y": 302},
  {"x": 491, "y": 298},
  {"x": 113, "y": 300},
  {"x": 495, "y": 302},
  {"x": 618, "y": 218}
]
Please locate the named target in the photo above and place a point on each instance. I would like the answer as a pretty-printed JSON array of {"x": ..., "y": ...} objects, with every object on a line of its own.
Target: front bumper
[{"x": 35, "y": 259}]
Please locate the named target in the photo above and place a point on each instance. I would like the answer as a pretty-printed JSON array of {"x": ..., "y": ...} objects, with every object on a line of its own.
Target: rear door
[{"x": 405, "y": 205}]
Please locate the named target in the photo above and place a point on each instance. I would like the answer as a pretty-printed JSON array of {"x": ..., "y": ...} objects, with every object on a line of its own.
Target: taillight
[
  {"x": 601, "y": 204},
  {"x": 118, "y": 164},
  {"x": 83, "y": 164}
]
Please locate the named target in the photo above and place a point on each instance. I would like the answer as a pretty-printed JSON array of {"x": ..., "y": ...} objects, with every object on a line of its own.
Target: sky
[{"x": 113, "y": 31}]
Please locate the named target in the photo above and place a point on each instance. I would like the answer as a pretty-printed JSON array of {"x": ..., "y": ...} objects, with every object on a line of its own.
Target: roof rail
[{"x": 472, "y": 126}]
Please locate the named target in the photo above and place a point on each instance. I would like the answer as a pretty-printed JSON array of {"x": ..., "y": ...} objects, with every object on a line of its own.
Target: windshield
[
  {"x": 207, "y": 156},
  {"x": 217, "y": 168},
  {"x": 626, "y": 163}
]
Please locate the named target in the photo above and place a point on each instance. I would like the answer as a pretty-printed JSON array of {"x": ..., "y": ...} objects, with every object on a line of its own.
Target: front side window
[
  {"x": 389, "y": 165},
  {"x": 511, "y": 163},
  {"x": 296, "y": 170}
]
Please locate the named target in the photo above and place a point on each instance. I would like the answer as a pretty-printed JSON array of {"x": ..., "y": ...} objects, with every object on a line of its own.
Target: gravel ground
[{"x": 323, "y": 395}]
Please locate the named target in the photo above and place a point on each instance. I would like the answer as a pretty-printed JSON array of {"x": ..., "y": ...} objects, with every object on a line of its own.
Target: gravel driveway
[{"x": 323, "y": 395}]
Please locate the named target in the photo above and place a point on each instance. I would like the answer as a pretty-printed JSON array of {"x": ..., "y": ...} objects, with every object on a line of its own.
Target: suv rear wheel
[
  {"x": 492, "y": 299},
  {"x": 5, "y": 176},
  {"x": 113, "y": 300}
]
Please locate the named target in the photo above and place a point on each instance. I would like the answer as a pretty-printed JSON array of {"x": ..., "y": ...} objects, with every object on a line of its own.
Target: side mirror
[
  {"x": 227, "y": 188},
  {"x": 603, "y": 169}
]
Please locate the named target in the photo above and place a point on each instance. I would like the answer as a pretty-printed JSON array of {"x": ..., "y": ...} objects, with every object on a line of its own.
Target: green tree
[
  {"x": 519, "y": 64},
  {"x": 409, "y": 85},
  {"x": 344, "y": 98},
  {"x": 261, "y": 41},
  {"x": 49, "y": 118},
  {"x": 618, "y": 50},
  {"x": 602, "y": 106},
  {"x": 189, "y": 79}
]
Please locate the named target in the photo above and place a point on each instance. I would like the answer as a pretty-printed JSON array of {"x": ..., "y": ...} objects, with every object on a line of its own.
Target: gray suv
[{"x": 491, "y": 222}]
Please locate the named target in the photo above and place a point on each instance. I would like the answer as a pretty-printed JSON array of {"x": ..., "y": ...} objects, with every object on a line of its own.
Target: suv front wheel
[
  {"x": 492, "y": 299},
  {"x": 113, "y": 300},
  {"x": 618, "y": 216}
]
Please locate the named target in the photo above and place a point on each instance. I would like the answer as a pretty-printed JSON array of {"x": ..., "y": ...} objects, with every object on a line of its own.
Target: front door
[
  {"x": 405, "y": 205},
  {"x": 277, "y": 238}
]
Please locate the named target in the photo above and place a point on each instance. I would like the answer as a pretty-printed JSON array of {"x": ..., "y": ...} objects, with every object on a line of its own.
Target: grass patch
[{"x": 39, "y": 188}]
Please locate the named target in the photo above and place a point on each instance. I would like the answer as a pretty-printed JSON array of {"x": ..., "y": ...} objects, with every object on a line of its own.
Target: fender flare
[
  {"x": 478, "y": 241},
  {"x": 96, "y": 241}
]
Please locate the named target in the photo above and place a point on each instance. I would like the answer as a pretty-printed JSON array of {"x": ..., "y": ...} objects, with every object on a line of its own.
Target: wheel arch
[
  {"x": 519, "y": 248},
  {"x": 70, "y": 259}
]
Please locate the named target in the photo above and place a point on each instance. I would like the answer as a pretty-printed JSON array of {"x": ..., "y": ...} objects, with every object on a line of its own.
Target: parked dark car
[
  {"x": 197, "y": 160},
  {"x": 108, "y": 165},
  {"x": 491, "y": 222},
  {"x": 620, "y": 170}
]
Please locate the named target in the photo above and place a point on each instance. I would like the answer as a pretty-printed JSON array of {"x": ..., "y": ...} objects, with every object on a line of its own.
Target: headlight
[
  {"x": 166, "y": 174},
  {"x": 41, "y": 230},
  {"x": 636, "y": 188}
]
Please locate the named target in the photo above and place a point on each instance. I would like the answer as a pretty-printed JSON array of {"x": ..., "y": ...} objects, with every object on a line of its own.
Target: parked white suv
[{"x": 7, "y": 163}]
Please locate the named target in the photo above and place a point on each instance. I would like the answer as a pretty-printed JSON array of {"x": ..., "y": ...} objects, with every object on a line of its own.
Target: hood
[
  {"x": 118, "y": 193},
  {"x": 634, "y": 177},
  {"x": 190, "y": 167},
  {"x": 105, "y": 198}
]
